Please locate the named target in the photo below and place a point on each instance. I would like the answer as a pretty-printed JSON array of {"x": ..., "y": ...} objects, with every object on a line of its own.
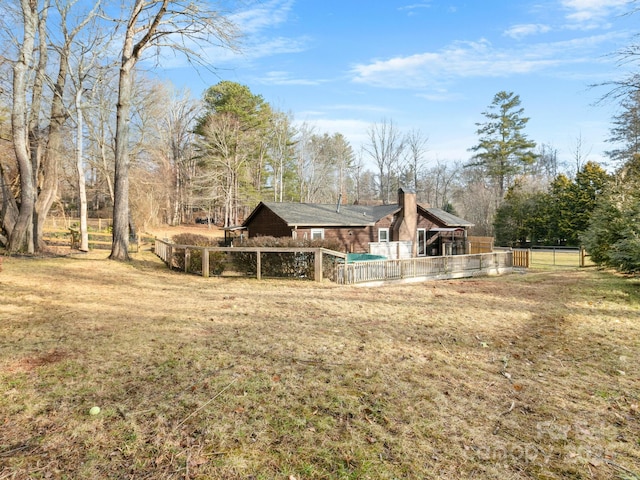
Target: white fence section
[
  {"x": 426, "y": 268},
  {"x": 391, "y": 250}
]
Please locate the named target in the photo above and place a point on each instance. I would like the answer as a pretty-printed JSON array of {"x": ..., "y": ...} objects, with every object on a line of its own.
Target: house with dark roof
[{"x": 358, "y": 228}]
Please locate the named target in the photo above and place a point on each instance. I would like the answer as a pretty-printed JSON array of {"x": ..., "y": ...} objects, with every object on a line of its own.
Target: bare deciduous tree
[
  {"x": 385, "y": 147},
  {"x": 154, "y": 23},
  {"x": 21, "y": 237},
  {"x": 416, "y": 144}
]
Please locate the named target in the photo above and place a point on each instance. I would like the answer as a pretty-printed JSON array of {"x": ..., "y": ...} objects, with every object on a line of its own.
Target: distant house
[{"x": 420, "y": 230}]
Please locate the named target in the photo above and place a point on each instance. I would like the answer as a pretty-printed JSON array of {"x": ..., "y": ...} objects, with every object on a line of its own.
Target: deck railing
[{"x": 456, "y": 266}]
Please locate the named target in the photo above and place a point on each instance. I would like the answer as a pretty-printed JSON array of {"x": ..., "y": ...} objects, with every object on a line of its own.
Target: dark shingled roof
[{"x": 328, "y": 215}]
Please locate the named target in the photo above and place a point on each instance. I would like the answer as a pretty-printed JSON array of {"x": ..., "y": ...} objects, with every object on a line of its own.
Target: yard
[{"x": 531, "y": 375}]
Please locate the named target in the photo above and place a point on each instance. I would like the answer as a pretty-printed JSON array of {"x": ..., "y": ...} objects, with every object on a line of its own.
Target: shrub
[
  {"x": 217, "y": 260},
  {"x": 283, "y": 264}
]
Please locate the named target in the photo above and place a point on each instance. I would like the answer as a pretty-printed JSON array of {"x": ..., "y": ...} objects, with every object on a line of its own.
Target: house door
[{"x": 422, "y": 242}]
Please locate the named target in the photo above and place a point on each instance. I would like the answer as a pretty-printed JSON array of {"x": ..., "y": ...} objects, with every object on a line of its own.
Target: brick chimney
[{"x": 406, "y": 225}]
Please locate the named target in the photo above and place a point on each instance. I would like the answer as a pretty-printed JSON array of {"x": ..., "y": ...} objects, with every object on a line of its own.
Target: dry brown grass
[
  {"x": 524, "y": 376},
  {"x": 168, "y": 231}
]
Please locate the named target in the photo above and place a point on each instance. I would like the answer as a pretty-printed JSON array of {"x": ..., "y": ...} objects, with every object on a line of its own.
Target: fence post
[
  {"x": 187, "y": 259},
  {"x": 170, "y": 256},
  {"x": 205, "y": 262},
  {"x": 258, "y": 265},
  {"x": 318, "y": 265}
]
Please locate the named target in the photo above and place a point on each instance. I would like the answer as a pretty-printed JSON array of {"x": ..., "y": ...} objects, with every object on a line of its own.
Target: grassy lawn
[
  {"x": 533, "y": 375},
  {"x": 544, "y": 259}
]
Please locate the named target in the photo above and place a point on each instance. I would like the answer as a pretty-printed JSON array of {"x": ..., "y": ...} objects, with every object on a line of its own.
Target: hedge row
[
  {"x": 273, "y": 264},
  {"x": 217, "y": 260}
]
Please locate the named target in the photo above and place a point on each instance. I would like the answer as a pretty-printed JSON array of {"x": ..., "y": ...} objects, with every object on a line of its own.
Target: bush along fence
[
  {"x": 315, "y": 263},
  {"x": 318, "y": 263}
]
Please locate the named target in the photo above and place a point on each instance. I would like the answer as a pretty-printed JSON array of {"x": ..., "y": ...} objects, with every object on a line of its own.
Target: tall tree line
[{"x": 45, "y": 42}]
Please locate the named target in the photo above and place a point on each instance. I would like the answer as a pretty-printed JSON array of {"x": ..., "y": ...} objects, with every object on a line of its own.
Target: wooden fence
[
  {"x": 456, "y": 266},
  {"x": 97, "y": 240},
  {"x": 166, "y": 252},
  {"x": 480, "y": 244},
  {"x": 55, "y": 223},
  {"x": 551, "y": 257},
  {"x": 521, "y": 258}
]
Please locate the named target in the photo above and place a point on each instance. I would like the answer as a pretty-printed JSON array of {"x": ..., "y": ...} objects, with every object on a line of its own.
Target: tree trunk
[
  {"x": 9, "y": 207},
  {"x": 130, "y": 54},
  {"x": 21, "y": 237},
  {"x": 49, "y": 169},
  {"x": 82, "y": 191},
  {"x": 120, "y": 244}
]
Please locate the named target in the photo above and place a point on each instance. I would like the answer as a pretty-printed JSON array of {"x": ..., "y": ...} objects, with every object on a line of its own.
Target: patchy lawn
[{"x": 524, "y": 376}]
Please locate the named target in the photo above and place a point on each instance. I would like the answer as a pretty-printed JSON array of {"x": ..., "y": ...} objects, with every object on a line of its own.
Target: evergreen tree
[
  {"x": 625, "y": 132},
  {"x": 613, "y": 236},
  {"x": 503, "y": 149},
  {"x": 235, "y": 141},
  {"x": 522, "y": 217},
  {"x": 561, "y": 211}
]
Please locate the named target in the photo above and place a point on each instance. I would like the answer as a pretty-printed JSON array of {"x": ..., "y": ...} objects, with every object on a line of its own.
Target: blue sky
[{"x": 432, "y": 66}]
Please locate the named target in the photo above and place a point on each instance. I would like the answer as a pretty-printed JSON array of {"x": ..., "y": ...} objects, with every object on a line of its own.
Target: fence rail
[
  {"x": 168, "y": 251},
  {"x": 97, "y": 240},
  {"x": 551, "y": 257},
  {"x": 456, "y": 266}
]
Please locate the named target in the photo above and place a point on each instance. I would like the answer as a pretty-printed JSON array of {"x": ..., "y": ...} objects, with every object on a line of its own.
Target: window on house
[
  {"x": 317, "y": 234},
  {"x": 383, "y": 234},
  {"x": 422, "y": 242}
]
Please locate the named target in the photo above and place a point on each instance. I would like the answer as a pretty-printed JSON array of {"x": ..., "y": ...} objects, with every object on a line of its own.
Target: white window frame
[
  {"x": 316, "y": 231},
  {"x": 422, "y": 231},
  {"x": 384, "y": 231}
]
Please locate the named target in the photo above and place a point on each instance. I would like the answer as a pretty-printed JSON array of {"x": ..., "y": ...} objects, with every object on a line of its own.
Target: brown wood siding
[
  {"x": 267, "y": 224},
  {"x": 425, "y": 223},
  {"x": 350, "y": 239}
]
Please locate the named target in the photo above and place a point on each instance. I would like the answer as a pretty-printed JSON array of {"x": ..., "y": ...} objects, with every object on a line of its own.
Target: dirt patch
[{"x": 29, "y": 363}]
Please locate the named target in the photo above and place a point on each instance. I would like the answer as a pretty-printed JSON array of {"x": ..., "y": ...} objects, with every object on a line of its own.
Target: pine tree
[
  {"x": 503, "y": 149},
  {"x": 613, "y": 236},
  {"x": 625, "y": 132}
]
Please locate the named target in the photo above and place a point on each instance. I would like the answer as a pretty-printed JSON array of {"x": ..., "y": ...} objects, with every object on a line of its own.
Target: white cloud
[
  {"x": 255, "y": 24},
  {"x": 440, "y": 96},
  {"x": 265, "y": 47},
  {"x": 283, "y": 78},
  {"x": 414, "y": 6},
  {"x": 263, "y": 15},
  {"x": 461, "y": 59},
  {"x": 478, "y": 59},
  {"x": 592, "y": 11},
  {"x": 524, "y": 30}
]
